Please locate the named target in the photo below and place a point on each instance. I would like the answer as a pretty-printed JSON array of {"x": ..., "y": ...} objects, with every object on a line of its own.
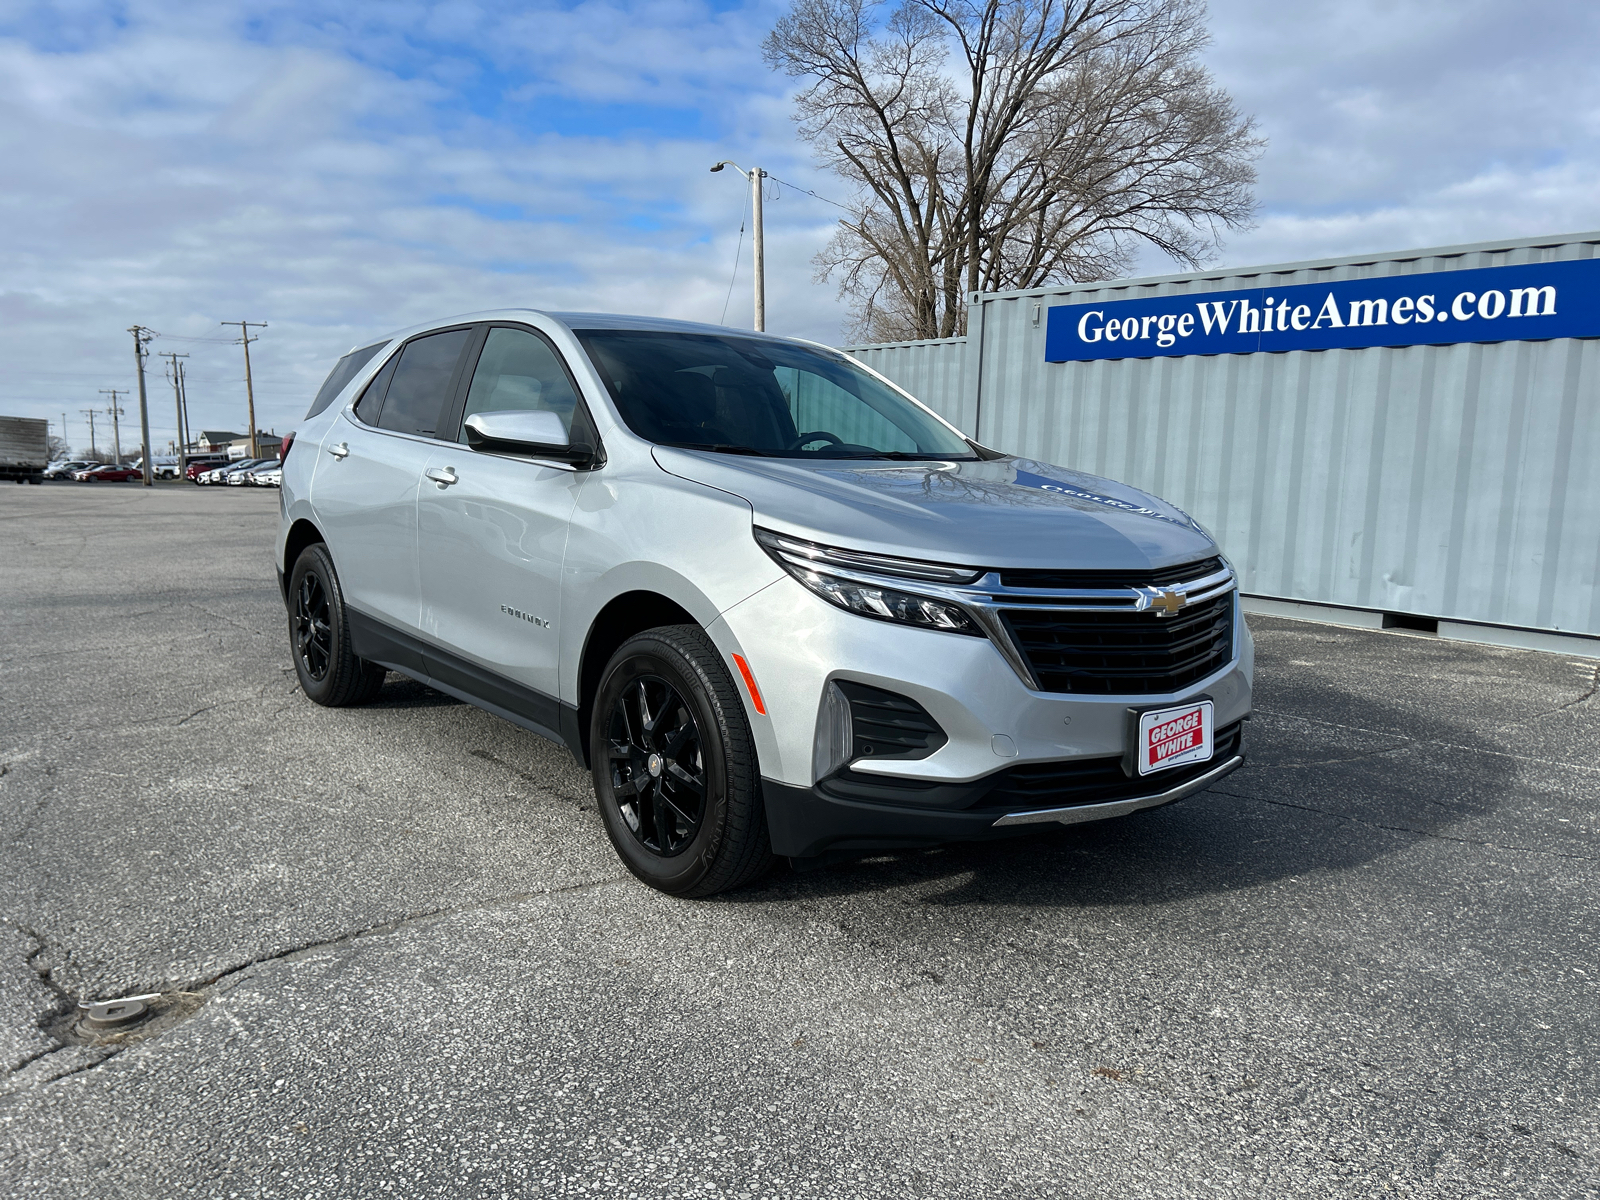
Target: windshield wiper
[
  {"x": 905, "y": 456},
  {"x": 719, "y": 448}
]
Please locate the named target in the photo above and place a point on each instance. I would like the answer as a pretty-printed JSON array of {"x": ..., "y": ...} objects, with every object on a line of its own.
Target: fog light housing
[{"x": 835, "y": 735}]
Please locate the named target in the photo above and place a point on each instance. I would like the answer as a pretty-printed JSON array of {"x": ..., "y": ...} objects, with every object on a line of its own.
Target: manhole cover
[{"x": 115, "y": 1014}]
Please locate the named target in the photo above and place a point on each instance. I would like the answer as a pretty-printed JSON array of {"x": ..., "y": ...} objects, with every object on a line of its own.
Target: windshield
[{"x": 741, "y": 395}]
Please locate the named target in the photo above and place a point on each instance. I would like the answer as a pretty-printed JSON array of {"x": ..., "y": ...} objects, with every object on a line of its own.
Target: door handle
[
  {"x": 444, "y": 477},
  {"x": 342, "y": 450}
]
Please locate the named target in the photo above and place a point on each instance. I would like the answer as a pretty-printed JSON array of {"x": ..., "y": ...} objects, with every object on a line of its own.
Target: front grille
[
  {"x": 1096, "y": 780},
  {"x": 1125, "y": 653},
  {"x": 1159, "y": 577}
]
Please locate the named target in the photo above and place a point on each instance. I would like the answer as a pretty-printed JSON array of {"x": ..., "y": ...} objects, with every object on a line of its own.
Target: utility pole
[
  {"x": 757, "y": 241},
  {"x": 183, "y": 401},
  {"x": 249, "y": 388},
  {"x": 758, "y": 248},
  {"x": 177, "y": 404},
  {"x": 93, "y": 449},
  {"x": 116, "y": 410},
  {"x": 141, "y": 336}
]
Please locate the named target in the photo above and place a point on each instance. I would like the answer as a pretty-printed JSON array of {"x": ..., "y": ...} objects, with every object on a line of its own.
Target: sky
[{"x": 341, "y": 171}]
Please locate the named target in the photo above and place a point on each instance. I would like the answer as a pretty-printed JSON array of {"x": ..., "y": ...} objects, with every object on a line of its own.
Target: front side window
[
  {"x": 518, "y": 371},
  {"x": 742, "y": 395}
]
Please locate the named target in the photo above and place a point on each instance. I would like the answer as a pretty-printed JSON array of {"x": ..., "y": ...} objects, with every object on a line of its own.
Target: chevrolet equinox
[{"x": 777, "y": 606}]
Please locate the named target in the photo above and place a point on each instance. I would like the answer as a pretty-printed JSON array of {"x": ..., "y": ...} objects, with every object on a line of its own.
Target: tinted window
[
  {"x": 371, "y": 402},
  {"x": 421, "y": 384},
  {"x": 753, "y": 396},
  {"x": 339, "y": 378},
  {"x": 518, "y": 370}
]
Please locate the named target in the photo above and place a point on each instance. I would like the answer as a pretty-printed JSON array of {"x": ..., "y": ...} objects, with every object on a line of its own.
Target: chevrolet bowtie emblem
[{"x": 1168, "y": 601}]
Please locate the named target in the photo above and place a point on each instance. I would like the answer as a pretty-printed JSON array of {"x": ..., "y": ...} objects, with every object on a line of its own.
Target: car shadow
[
  {"x": 401, "y": 691},
  {"x": 1317, "y": 793}
]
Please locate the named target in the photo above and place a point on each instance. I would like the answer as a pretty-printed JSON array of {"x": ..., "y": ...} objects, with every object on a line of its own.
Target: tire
[
  {"x": 667, "y": 714},
  {"x": 319, "y": 635}
]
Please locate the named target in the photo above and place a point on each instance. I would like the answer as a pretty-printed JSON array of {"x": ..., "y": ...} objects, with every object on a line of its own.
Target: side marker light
[{"x": 750, "y": 684}]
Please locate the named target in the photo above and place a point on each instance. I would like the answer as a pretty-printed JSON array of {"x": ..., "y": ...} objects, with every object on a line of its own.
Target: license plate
[{"x": 1174, "y": 737}]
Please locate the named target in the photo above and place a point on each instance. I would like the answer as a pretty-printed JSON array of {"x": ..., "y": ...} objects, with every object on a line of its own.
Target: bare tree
[{"x": 1001, "y": 144}]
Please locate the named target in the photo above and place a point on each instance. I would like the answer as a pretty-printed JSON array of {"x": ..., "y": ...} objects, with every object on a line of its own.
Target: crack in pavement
[
  {"x": 1443, "y": 837},
  {"x": 384, "y": 928},
  {"x": 1594, "y": 686},
  {"x": 541, "y": 785},
  {"x": 1426, "y": 741},
  {"x": 65, "y": 1002},
  {"x": 194, "y": 714}
]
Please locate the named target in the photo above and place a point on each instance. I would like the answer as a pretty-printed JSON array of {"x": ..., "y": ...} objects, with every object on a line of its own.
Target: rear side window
[
  {"x": 518, "y": 371},
  {"x": 420, "y": 388},
  {"x": 339, "y": 378},
  {"x": 371, "y": 402}
]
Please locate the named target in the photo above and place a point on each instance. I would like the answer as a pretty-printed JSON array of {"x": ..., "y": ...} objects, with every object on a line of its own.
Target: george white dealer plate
[{"x": 1173, "y": 737}]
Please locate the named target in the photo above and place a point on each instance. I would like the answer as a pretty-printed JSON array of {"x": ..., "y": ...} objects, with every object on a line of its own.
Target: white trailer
[{"x": 24, "y": 448}]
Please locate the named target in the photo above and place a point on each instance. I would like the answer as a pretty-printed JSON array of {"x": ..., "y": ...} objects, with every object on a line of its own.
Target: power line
[
  {"x": 809, "y": 192},
  {"x": 737, "y": 251}
]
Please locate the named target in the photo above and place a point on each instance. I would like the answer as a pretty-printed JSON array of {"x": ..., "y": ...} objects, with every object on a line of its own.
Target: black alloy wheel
[
  {"x": 658, "y": 773},
  {"x": 329, "y": 671},
  {"x": 313, "y": 638},
  {"x": 674, "y": 765}
]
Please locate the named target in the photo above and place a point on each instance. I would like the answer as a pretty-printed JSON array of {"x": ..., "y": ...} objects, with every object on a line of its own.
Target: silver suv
[{"x": 776, "y": 605}]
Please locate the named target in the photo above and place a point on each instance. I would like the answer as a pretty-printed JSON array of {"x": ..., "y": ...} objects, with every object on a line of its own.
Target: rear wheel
[
  {"x": 675, "y": 766},
  {"x": 319, "y": 635}
]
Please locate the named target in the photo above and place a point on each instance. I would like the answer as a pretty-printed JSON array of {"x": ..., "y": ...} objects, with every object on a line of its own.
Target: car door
[
  {"x": 492, "y": 531},
  {"x": 364, "y": 489}
]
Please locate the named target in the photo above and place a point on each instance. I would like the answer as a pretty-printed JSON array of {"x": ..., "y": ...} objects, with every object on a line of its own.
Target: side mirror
[{"x": 526, "y": 431}]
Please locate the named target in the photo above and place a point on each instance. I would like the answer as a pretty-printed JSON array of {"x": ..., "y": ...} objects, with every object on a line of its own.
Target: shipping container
[{"x": 1429, "y": 467}]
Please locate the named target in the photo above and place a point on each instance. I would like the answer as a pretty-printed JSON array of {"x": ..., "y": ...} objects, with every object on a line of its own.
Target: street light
[{"x": 755, "y": 175}]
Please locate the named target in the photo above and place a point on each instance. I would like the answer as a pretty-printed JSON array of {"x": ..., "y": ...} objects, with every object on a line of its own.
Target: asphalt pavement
[{"x": 396, "y": 955}]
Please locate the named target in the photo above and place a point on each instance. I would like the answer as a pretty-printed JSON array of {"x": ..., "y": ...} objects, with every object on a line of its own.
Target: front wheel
[
  {"x": 319, "y": 635},
  {"x": 675, "y": 766}
]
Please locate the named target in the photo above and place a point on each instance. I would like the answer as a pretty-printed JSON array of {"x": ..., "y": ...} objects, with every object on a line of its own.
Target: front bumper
[
  {"x": 807, "y": 822},
  {"x": 997, "y": 726}
]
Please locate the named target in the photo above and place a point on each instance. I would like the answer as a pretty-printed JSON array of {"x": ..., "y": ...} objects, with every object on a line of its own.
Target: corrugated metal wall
[
  {"x": 1459, "y": 482},
  {"x": 934, "y": 372}
]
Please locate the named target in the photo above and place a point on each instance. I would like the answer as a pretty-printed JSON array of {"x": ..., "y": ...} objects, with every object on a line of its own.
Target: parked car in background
[
  {"x": 201, "y": 463},
  {"x": 220, "y": 473},
  {"x": 246, "y": 477},
  {"x": 270, "y": 475},
  {"x": 64, "y": 470},
  {"x": 160, "y": 467},
  {"x": 775, "y": 604},
  {"x": 109, "y": 473}
]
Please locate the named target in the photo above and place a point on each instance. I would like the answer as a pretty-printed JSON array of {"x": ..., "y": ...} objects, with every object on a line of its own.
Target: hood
[{"x": 1005, "y": 512}]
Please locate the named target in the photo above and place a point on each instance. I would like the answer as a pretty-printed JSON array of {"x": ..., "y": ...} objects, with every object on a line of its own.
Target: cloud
[
  {"x": 1405, "y": 124},
  {"x": 178, "y": 180},
  {"x": 343, "y": 171}
]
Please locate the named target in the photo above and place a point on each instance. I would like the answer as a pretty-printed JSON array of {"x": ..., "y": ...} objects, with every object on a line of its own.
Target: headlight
[{"x": 808, "y": 562}]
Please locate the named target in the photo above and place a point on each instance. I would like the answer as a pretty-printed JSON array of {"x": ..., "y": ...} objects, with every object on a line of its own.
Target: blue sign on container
[{"x": 1489, "y": 304}]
